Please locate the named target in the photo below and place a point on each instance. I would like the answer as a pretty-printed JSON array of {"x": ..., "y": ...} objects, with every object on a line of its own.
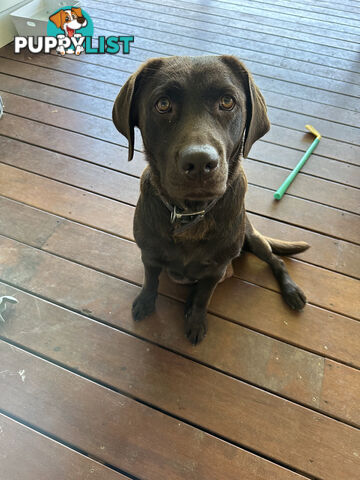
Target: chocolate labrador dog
[{"x": 198, "y": 116}]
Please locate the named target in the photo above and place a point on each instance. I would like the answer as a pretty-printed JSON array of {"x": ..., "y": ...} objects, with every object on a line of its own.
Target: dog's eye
[
  {"x": 67, "y": 18},
  {"x": 227, "y": 102},
  {"x": 163, "y": 105}
]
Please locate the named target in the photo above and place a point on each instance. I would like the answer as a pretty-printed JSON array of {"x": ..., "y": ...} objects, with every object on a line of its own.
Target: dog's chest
[{"x": 191, "y": 263}]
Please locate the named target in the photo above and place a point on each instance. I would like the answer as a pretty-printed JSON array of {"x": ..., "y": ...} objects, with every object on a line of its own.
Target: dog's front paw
[
  {"x": 143, "y": 306},
  {"x": 293, "y": 296},
  {"x": 195, "y": 327}
]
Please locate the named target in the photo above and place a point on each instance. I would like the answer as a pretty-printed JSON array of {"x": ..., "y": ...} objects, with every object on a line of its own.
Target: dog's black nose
[
  {"x": 81, "y": 20},
  {"x": 196, "y": 160}
]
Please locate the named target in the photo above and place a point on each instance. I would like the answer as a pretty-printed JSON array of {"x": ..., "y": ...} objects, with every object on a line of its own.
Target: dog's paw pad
[
  {"x": 294, "y": 297},
  {"x": 142, "y": 307},
  {"x": 195, "y": 332}
]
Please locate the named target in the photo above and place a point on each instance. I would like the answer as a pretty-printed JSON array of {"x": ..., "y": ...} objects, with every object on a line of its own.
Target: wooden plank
[
  {"x": 297, "y": 11},
  {"x": 304, "y": 213},
  {"x": 70, "y": 202},
  {"x": 257, "y": 20},
  {"x": 288, "y": 371},
  {"x": 55, "y": 95},
  {"x": 322, "y": 7},
  {"x": 118, "y": 430},
  {"x": 332, "y": 130},
  {"x": 59, "y": 79},
  {"x": 316, "y": 110},
  {"x": 27, "y": 454},
  {"x": 279, "y": 19},
  {"x": 318, "y": 166},
  {"x": 138, "y": 55},
  {"x": 320, "y": 15},
  {"x": 314, "y": 329},
  {"x": 329, "y": 253},
  {"x": 237, "y": 27},
  {"x": 295, "y": 435},
  {"x": 78, "y": 122},
  {"x": 351, "y": 6},
  {"x": 297, "y": 84},
  {"x": 71, "y": 171},
  {"x": 306, "y": 187},
  {"x": 254, "y": 44},
  {"x": 78, "y": 146},
  {"x": 287, "y": 28},
  {"x": 328, "y": 148},
  {"x": 323, "y": 288}
]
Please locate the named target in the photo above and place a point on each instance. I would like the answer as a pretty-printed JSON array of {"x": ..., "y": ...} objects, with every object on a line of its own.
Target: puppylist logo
[{"x": 70, "y": 30}]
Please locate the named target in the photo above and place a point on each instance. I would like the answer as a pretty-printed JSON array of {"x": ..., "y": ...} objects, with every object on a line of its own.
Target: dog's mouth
[
  {"x": 201, "y": 190},
  {"x": 203, "y": 193},
  {"x": 70, "y": 32},
  {"x": 196, "y": 196}
]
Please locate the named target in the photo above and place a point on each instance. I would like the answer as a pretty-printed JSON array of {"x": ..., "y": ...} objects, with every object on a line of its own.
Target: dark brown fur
[{"x": 196, "y": 128}]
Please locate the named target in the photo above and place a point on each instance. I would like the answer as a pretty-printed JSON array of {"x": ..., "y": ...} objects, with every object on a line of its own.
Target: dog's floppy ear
[
  {"x": 124, "y": 113},
  {"x": 77, "y": 11},
  {"x": 57, "y": 18},
  {"x": 257, "y": 121}
]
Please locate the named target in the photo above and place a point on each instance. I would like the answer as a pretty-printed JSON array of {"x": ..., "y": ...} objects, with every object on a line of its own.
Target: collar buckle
[{"x": 178, "y": 216}]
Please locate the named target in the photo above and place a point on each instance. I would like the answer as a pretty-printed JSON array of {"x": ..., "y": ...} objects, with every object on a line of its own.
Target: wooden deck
[{"x": 269, "y": 394}]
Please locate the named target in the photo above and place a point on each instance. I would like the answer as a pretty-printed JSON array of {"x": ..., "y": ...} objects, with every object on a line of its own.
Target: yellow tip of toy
[{"x": 313, "y": 131}]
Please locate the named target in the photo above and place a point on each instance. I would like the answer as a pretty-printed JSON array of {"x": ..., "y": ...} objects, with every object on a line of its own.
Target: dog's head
[
  {"x": 196, "y": 116},
  {"x": 69, "y": 20}
]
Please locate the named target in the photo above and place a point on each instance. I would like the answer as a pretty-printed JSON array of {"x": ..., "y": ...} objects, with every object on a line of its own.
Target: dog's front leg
[
  {"x": 144, "y": 303},
  {"x": 196, "y": 308}
]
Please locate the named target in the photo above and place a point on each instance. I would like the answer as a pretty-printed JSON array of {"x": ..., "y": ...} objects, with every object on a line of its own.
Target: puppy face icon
[{"x": 69, "y": 20}]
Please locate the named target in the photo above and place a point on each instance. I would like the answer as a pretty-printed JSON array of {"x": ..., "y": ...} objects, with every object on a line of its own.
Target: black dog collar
[{"x": 185, "y": 219}]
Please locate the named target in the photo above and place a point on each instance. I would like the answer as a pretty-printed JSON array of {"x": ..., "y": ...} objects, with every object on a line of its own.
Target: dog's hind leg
[{"x": 264, "y": 248}]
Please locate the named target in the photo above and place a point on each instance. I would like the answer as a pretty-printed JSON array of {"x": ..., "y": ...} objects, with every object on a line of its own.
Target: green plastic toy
[{"x": 282, "y": 189}]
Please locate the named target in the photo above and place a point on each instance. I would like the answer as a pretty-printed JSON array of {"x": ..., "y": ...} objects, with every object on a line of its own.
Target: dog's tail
[
  {"x": 260, "y": 245},
  {"x": 281, "y": 247}
]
